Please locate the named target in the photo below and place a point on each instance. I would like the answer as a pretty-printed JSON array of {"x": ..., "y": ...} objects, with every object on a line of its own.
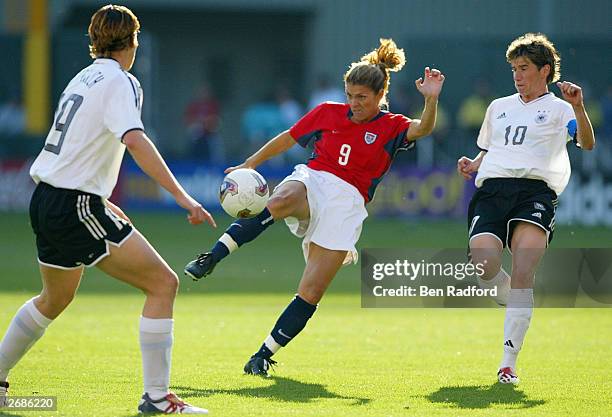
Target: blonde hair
[
  {"x": 112, "y": 28},
  {"x": 539, "y": 50},
  {"x": 373, "y": 70}
]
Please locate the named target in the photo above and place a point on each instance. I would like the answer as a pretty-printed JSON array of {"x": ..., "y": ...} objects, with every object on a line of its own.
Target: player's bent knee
[
  {"x": 489, "y": 260},
  {"x": 164, "y": 283},
  {"x": 52, "y": 305},
  {"x": 280, "y": 206},
  {"x": 171, "y": 282}
]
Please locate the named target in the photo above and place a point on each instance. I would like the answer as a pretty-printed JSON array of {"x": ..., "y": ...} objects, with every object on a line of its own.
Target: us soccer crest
[{"x": 369, "y": 137}]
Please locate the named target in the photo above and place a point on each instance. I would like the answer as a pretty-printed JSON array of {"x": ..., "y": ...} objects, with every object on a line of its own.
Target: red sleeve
[
  {"x": 400, "y": 128},
  {"x": 309, "y": 126},
  {"x": 402, "y": 123}
]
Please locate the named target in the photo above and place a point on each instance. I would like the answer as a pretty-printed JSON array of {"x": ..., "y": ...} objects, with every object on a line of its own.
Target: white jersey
[
  {"x": 83, "y": 150},
  {"x": 527, "y": 140}
]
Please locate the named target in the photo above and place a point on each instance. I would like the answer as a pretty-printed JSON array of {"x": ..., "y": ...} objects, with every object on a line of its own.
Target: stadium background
[{"x": 243, "y": 52}]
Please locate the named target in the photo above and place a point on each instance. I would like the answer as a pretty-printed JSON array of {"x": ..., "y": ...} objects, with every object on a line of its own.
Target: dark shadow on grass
[
  {"x": 5, "y": 414},
  {"x": 481, "y": 396},
  {"x": 282, "y": 389}
]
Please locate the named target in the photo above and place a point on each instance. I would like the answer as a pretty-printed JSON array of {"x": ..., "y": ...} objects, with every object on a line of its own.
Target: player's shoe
[
  {"x": 170, "y": 404},
  {"x": 200, "y": 267},
  {"x": 4, "y": 386},
  {"x": 258, "y": 366},
  {"x": 507, "y": 376}
]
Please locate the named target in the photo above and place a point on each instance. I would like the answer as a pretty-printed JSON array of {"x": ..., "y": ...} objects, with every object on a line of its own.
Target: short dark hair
[{"x": 539, "y": 50}]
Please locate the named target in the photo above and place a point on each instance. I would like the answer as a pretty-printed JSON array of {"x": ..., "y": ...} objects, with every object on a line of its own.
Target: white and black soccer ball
[{"x": 244, "y": 193}]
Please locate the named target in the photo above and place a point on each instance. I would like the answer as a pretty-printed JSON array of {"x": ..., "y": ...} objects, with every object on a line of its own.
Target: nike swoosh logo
[{"x": 280, "y": 331}]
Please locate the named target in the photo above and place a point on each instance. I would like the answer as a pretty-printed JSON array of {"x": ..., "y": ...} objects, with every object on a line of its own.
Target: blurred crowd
[{"x": 455, "y": 133}]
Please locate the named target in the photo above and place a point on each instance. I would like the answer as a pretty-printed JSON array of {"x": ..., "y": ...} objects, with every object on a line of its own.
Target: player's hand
[
  {"x": 197, "y": 213},
  {"x": 467, "y": 166},
  {"x": 571, "y": 93},
  {"x": 242, "y": 165},
  {"x": 431, "y": 83}
]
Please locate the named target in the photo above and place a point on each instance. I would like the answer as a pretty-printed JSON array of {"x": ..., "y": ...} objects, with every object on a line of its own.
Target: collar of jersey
[
  {"x": 380, "y": 114},
  {"x": 543, "y": 96},
  {"x": 107, "y": 61}
]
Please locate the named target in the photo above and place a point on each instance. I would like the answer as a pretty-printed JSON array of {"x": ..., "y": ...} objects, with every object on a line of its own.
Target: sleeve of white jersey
[
  {"x": 484, "y": 137},
  {"x": 122, "y": 112}
]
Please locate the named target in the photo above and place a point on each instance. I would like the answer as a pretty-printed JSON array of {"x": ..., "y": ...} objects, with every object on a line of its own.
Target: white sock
[
  {"x": 156, "y": 339},
  {"x": 518, "y": 317},
  {"x": 229, "y": 242},
  {"x": 502, "y": 282},
  {"x": 272, "y": 344},
  {"x": 25, "y": 329}
]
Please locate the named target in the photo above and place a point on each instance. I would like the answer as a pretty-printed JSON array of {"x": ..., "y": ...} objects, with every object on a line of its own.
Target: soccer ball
[{"x": 244, "y": 193}]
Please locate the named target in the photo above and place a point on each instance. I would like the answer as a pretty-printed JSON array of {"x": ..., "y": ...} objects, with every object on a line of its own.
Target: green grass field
[{"x": 349, "y": 361}]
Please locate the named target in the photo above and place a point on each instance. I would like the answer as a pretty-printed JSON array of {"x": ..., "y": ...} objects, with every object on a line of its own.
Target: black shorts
[
  {"x": 72, "y": 227},
  {"x": 500, "y": 203}
]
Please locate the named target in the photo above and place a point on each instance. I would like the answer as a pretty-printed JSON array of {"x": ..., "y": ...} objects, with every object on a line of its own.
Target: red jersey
[{"x": 360, "y": 154}]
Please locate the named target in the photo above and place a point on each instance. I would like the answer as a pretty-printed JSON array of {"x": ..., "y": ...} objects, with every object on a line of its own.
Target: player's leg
[
  {"x": 528, "y": 243},
  {"x": 289, "y": 199},
  {"x": 52, "y": 216},
  {"x": 487, "y": 234},
  {"x": 33, "y": 318},
  {"x": 59, "y": 289},
  {"x": 321, "y": 267},
  {"x": 486, "y": 249},
  {"x": 137, "y": 263}
]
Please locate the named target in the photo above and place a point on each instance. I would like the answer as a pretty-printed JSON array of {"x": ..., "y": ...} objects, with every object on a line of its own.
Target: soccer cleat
[
  {"x": 170, "y": 404},
  {"x": 507, "y": 376},
  {"x": 258, "y": 366},
  {"x": 200, "y": 267},
  {"x": 4, "y": 386}
]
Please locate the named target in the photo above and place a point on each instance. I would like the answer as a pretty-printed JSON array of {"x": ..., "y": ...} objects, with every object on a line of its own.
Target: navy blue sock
[
  {"x": 241, "y": 232},
  {"x": 264, "y": 352},
  {"x": 291, "y": 322}
]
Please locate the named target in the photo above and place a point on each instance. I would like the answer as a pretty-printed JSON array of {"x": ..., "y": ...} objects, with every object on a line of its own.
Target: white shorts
[{"x": 337, "y": 212}]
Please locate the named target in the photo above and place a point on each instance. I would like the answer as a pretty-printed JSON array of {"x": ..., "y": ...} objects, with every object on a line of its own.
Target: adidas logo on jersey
[
  {"x": 537, "y": 214},
  {"x": 501, "y": 116},
  {"x": 539, "y": 206}
]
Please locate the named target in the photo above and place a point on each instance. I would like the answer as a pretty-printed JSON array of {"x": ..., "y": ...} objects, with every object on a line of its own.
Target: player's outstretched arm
[
  {"x": 151, "y": 162},
  {"x": 430, "y": 86},
  {"x": 279, "y": 144},
  {"x": 572, "y": 93}
]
